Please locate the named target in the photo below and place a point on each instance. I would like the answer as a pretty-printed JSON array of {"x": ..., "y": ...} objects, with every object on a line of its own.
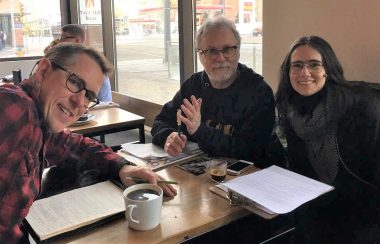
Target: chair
[{"x": 366, "y": 87}]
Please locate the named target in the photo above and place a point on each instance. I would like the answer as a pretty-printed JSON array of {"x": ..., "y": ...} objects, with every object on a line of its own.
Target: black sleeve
[
  {"x": 166, "y": 121},
  {"x": 372, "y": 128},
  {"x": 359, "y": 138}
]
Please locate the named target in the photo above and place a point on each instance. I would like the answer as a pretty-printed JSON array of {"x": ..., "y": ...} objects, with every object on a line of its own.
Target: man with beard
[{"x": 227, "y": 109}]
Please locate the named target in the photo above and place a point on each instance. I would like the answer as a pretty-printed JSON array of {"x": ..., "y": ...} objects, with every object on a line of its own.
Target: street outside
[{"x": 143, "y": 71}]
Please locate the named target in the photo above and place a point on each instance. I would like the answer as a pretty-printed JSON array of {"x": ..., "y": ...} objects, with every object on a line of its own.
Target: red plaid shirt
[{"x": 24, "y": 144}]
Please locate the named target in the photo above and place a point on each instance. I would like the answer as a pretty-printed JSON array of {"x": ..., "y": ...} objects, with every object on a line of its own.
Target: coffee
[
  {"x": 143, "y": 195},
  {"x": 143, "y": 203},
  {"x": 218, "y": 174}
]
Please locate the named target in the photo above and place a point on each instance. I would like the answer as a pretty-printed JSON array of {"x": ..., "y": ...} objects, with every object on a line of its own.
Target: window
[
  {"x": 26, "y": 27},
  {"x": 147, "y": 48},
  {"x": 90, "y": 18},
  {"x": 247, "y": 15},
  {"x": 147, "y": 42}
]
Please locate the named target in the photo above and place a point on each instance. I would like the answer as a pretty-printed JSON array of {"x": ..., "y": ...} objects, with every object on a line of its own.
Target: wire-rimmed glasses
[
  {"x": 228, "y": 52},
  {"x": 314, "y": 67}
]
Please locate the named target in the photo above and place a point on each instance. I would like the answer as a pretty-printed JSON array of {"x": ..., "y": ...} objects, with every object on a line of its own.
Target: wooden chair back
[{"x": 137, "y": 106}]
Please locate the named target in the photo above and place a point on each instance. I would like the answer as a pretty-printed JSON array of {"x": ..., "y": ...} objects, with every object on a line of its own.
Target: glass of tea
[{"x": 217, "y": 169}]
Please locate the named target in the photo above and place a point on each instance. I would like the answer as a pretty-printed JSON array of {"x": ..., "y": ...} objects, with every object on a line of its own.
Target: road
[{"x": 143, "y": 72}]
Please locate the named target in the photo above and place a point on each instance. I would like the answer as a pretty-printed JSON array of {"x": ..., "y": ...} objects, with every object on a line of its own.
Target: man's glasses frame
[
  {"x": 228, "y": 52},
  {"x": 314, "y": 67},
  {"x": 61, "y": 38},
  {"x": 75, "y": 85}
]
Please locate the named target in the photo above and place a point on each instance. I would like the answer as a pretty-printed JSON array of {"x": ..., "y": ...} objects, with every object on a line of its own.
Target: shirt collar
[{"x": 29, "y": 88}]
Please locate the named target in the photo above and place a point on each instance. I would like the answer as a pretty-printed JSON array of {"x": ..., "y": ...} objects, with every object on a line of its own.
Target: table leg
[
  {"x": 102, "y": 139},
  {"x": 142, "y": 134}
]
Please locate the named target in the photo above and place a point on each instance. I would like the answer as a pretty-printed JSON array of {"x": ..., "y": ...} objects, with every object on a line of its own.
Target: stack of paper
[
  {"x": 154, "y": 156},
  {"x": 276, "y": 190},
  {"x": 144, "y": 151},
  {"x": 68, "y": 211}
]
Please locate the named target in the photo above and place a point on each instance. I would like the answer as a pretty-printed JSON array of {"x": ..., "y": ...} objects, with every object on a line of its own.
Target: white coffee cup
[{"x": 143, "y": 204}]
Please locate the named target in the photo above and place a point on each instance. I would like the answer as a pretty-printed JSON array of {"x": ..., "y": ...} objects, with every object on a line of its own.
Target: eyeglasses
[
  {"x": 228, "y": 52},
  {"x": 314, "y": 67},
  {"x": 61, "y": 38},
  {"x": 76, "y": 85}
]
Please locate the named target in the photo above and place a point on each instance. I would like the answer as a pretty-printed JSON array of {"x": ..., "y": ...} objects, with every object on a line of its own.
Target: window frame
[{"x": 65, "y": 13}]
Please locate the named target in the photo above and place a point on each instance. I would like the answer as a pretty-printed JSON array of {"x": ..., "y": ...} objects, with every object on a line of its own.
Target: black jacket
[
  {"x": 358, "y": 137},
  {"x": 236, "y": 121},
  {"x": 352, "y": 210}
]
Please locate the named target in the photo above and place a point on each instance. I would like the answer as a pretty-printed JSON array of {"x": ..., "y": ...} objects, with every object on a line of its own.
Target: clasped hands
[{"x": 175, "y": 143}]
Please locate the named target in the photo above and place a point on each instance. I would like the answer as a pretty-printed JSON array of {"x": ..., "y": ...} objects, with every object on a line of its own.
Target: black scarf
[{"x": 318, "y": 129}]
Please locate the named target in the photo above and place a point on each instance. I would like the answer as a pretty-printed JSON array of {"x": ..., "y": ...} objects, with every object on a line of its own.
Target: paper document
[
  {"x": 276, "y": 189},
  {"x": 144, "y": 151},
  {"x": 154, "y": 156},
  {"x": 222, "y": 191},
  {"x": 151, "y": 151},
  {"x": 73, "y": 209}
]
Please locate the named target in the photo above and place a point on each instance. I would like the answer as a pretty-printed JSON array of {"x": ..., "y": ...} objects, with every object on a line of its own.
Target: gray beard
[{"x": 223, "y": 82}]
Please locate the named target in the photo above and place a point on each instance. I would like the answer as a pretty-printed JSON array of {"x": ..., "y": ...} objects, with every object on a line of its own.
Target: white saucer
[{"x": 90, "y": 117}]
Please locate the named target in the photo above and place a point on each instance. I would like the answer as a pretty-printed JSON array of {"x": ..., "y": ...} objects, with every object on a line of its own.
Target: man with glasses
[
  {"x": 75, "y": 33},
  {"x": 34, "y": 116},
  {"x": 228, "y": 109}
]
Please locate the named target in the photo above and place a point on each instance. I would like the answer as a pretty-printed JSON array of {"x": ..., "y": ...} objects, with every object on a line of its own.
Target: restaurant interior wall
[{"x": 348, "y": 25}]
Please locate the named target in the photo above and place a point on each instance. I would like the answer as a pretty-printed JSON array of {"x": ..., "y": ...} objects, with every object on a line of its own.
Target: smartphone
[{"x": 239, "y": 167}]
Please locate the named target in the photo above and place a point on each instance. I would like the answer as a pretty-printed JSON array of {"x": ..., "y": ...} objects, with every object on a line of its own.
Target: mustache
[{"x": 219, "y": 66}]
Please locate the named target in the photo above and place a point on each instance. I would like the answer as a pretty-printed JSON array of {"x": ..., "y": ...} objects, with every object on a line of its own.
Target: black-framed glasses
[
  {"x": 76, "y": 85},
  {"x": 314, "y": 67},
  {"x": 61, "y": 38},
  {"x": 228, "y": 52}
]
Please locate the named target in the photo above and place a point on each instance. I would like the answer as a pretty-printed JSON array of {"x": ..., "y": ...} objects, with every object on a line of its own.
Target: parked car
[{"x": 257, "y": 29}]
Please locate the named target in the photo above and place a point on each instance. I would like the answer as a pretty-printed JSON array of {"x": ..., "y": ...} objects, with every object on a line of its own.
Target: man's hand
[
  {"x": 127, "y": 172},
  {"x": 192, "y": 111},
  {"x": 175, "y": 144}
]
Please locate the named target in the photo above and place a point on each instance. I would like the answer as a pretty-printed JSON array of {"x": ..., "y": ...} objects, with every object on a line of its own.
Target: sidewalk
[{"x": 147, "y": 80}]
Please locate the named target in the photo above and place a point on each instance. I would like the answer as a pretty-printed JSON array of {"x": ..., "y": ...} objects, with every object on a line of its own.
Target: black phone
[{"x": 239, "y": 167}]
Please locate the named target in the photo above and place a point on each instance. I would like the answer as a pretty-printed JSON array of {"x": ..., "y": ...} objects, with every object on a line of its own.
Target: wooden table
[
  {"x": 111, "y": 120},
  {"x": 195, "y": 210}
]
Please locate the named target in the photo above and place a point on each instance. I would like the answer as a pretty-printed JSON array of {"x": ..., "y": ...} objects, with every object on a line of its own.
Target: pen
[
  {"x": 139, "y": 181},
  {"x": 179, "y": 122}
]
